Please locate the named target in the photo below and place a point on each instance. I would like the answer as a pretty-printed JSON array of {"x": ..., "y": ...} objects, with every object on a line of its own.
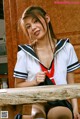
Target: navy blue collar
[{"x": 29, "y": 50}]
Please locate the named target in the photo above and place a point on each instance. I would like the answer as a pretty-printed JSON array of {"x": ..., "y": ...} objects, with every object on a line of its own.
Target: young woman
[{"x": 45, "y": 61}]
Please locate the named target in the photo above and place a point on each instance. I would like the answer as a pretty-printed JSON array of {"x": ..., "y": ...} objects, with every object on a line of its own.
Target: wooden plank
[{"x": 16, "y": 96}]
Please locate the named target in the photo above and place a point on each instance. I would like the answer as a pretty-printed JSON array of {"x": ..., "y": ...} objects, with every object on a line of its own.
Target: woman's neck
[{"x": 43, "y": 42}]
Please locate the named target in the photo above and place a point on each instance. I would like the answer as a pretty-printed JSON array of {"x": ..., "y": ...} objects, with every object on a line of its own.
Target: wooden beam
[{"x": 28, "y": 95}]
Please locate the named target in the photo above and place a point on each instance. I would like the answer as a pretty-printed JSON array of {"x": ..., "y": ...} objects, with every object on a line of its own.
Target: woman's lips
[{"x": 36, "y": 33}]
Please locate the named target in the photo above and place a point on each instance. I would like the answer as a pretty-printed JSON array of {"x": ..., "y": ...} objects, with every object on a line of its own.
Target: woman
[{"x": 46, "y": 61}]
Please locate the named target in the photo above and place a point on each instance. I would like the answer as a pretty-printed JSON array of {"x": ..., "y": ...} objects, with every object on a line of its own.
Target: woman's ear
[{"x": 47, "y": 18}]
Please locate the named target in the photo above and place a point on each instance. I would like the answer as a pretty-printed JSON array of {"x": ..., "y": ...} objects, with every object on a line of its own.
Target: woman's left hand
[{"x": 76, "y": 115}]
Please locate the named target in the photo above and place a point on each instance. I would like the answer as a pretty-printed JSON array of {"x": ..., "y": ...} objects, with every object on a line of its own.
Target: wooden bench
[{"x": 14, "y": 100}]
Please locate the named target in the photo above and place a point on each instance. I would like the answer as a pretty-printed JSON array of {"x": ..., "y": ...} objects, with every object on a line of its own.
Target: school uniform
[
  {"x": 64, "y": 60},
  {"x": 28, "y": 64}
]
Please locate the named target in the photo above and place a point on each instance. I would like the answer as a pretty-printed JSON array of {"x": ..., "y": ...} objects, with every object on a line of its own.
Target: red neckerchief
[{"x": 49, "y": 73}]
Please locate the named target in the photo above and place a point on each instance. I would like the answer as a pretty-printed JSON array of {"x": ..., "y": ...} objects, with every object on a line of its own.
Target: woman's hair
[{"x": 36, "y": 11}]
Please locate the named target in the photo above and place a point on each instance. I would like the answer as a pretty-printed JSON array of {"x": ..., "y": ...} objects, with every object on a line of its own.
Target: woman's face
[{"x": 34, "y": 28}]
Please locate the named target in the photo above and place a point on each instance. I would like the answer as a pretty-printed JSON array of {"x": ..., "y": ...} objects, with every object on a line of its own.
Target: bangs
[{"x": 34, "y": 15}]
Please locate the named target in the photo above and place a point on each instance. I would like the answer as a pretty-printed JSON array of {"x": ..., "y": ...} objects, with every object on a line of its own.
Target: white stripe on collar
[{"x": 29, "y": 50}]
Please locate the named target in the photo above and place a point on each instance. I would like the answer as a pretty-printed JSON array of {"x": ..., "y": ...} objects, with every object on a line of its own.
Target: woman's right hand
[{"x": 40, "y": 77}]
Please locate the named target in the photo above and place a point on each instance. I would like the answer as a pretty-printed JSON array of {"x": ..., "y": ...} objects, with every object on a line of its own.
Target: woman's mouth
[{"x": 36, "y": 33}]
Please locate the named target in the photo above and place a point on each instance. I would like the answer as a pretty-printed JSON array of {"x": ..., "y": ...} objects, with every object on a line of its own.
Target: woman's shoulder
[
  {"x": 20, "y": 50},
  {"x": 21, "y": 53},
  {"x": 24, "y": 50},
  {"x": 69, "y": 45},
  {"x": 64, "y": 42},
  {"x": 23, "y": 46}
]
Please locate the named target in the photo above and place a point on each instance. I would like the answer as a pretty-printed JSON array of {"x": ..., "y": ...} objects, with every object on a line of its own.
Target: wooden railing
[{"x": 40, "y": 94}]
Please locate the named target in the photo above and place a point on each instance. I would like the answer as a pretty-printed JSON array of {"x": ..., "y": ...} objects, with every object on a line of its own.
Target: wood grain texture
[
  {"x": 11, "y": 37},
  {"x": 17, "y": 96}
]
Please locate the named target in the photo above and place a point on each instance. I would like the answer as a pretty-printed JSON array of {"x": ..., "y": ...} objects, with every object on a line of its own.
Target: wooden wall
[{"x": 65, "y": 20}]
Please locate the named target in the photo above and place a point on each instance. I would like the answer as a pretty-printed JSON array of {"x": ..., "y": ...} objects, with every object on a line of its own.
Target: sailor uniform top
[{"x": 64, "y": 58}]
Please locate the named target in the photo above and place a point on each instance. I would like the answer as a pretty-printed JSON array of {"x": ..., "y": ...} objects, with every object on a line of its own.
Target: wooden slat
[{"x": 35, "y": 94}]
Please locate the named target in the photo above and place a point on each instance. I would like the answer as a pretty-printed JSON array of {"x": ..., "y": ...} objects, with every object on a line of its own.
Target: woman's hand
[
  {"x": 40, "y": 77},
  {"x": 70, "y": 78},
  {"x": 76, "y": 114},
  {"x": 75, "y": 108}
]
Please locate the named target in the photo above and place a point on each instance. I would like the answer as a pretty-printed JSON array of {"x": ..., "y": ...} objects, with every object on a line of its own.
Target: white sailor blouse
[{"x": 64, "y": 60}]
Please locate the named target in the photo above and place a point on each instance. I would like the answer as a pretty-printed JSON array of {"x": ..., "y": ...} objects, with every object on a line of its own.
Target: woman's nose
[{"x": 33, "y": 27}]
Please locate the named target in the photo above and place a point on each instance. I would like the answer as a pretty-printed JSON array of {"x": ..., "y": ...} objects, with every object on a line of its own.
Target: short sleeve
[
  {"x": 20, "y": 70},
  {"x": 73, "y": 62}
]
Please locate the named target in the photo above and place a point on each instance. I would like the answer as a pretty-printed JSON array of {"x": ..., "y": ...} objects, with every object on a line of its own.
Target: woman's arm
[
  {"x": 70, "y": 78},
  {"x": 20, "y": 83},
  {"x": 40, "y": 77}
]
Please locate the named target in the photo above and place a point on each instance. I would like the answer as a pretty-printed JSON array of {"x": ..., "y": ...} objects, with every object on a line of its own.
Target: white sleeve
[
  {"x": 73, "y": 62},
  {"x": 20, "y": 70}
]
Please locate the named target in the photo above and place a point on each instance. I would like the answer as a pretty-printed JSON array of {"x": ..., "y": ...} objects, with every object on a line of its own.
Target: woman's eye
[
  {"x": 35, "y": 20},
  {"x": 27, "y": 27}
]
